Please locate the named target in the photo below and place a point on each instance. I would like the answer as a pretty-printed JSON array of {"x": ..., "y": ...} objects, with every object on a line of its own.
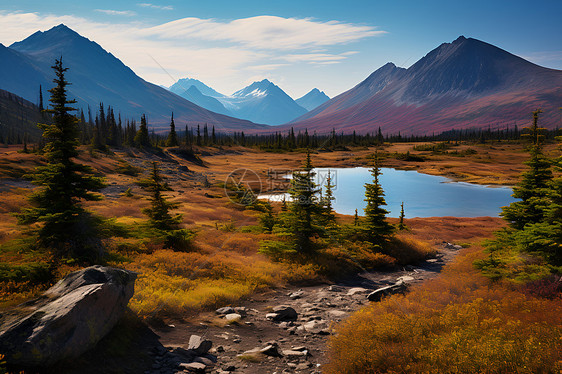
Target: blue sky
[{"x": 299, "y": 45}]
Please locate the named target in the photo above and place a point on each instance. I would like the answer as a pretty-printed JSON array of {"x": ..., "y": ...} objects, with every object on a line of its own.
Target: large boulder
[{"x": 68, "y": 319}]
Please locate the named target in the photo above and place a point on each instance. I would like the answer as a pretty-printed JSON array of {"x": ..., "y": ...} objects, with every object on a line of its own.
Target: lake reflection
[{"x": 423, "y": 195}]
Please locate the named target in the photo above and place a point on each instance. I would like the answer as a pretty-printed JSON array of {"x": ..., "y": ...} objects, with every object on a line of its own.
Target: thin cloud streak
[
  {"x": 110, "y": 12},
  {"x": 153, "y": 6}
]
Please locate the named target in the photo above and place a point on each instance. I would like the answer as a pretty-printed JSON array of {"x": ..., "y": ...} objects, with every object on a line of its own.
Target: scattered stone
[
  {"x": 242, "y": 310},
  {"x": 405, "y": 278},
  {"x": 294, "y": 354},
  {"x": 225, "y": 310},
  {"x": 398, "y": 288},
  {"x": 195, "y": 367},
  {"x": 233, "y": 317},
  {"x": 296, "y": 295},
  {"x": 282, "y": 313},
  {"x": 336, "y": 288},
  {"x": 68, "y": 319},
  {"x": 356, "y": 291},
  {"x": 271, "y": 350},
  {"x": 303, "y": 366},
  {"x": 199, "y": 345}
]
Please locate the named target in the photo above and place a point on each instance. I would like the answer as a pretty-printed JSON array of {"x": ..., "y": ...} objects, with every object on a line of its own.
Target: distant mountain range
[
  {"x": 313, "y": 99},
  {"x": 464, "y": 84},
  {"x": 260, "y": 102},
  {"x": 97, "y": 76}
]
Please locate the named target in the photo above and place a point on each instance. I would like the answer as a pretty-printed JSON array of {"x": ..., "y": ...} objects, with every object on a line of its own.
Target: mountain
[
  {"x": 18, "y": 118},
  {"x": 464, "y": 84},
  {"x": 98, "y": 76},
  {"x": 184, "y": 84},
  {"x": 208, "y": 102},
  {"x": 313, "y": 99},
  {"x": 263, "y": 102}
]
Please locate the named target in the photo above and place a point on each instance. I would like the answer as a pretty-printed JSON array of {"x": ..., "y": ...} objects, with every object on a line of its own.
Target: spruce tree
[
  {"x": 303, "y": 206},
  {"x": 159, "y": 211},
  {"x": 401, "y": 225},
  {"x": 328, "y": 216},
  {"x": 67, "y": 229},
  {"x": 355, "y": 219},
  {"x": 172, "y": 140},
  {"x": 533, "y": 189},
  {"x": 375, "y": 226},
  {"x": 142, "y": 139}
]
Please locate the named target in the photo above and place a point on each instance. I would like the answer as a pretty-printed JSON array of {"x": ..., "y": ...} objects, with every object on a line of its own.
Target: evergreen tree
[
  {"x": 303, "y": 206},
  {"x": 356, "y": 219},
  {"x": 159, "y": 211},
  {"x": 329, "y": 219},
  {"x": 401, "y": 225},
  {"x": 172, "y": 140},
  {"x": 142, "y": 139},
  {"x": 376, "y": 228},
  {"x": 68, "y": 230},
  {"x": 267, "y": 219},
  {"x": 41, "y": 107},
  {"x": 533, "y": 189}
]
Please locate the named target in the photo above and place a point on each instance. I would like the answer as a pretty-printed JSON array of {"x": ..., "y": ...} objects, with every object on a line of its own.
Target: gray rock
[
  {"x": 405, "y": 278},
  {"x": 194, "y": 367},
  {"x": 357, "y": 291},
  {"x": 225, "y": 310},
  {"x": 398, "y": 288},
  {"x": 199, "y": 345},
  {"x": 233, "y": 317},
  {"x": 283, "y": 313},
  {"x": 68, "y": 319},
  {"x": 296, "y": 295},
  {"x": 336, "y": 288}
]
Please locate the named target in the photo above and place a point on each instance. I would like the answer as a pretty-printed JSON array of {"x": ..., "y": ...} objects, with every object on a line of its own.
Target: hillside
[{"x": 464, "y": 84}]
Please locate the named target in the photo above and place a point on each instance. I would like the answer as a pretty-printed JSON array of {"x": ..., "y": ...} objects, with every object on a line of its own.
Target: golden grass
[{"x": 457, "y": 323}]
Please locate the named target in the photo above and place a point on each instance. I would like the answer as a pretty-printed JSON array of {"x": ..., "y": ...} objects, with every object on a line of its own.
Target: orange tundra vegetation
[{"x": 456, "y": 323}]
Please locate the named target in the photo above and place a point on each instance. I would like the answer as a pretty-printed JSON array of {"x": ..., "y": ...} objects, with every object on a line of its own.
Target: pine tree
[
  {"x": 533, "y": 189},
  {"x": 401, "y": 225},
  {"x": 172, "y": 140},
  {"x": 303, "y": 206},
  {"x": 142, "y": 139},
  {"x": 376, "y": 228},
  {"x": 159, "y": 211},
  {"x": 356, "y": 219},
  {"x": 68, "y": 230},
  {"x": 329, "y": 219}
]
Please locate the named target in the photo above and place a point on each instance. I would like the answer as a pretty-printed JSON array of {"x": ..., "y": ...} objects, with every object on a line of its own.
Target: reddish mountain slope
[{"x": 463, "y": 84}]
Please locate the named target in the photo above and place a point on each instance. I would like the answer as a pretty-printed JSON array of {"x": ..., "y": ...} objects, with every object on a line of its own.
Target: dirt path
[{"x": 300, "y": 344}]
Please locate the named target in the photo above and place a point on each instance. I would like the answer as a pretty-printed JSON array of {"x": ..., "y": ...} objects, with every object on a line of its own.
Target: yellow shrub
[{"x": 457, "y": 323}]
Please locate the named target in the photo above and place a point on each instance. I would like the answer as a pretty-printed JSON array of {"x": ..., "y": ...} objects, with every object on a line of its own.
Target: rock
[
  {"x": 194, "y": 367},
  {"x": 68, "y": 319},
  {"x": 303, "y": 366},
  {"x": 316, "y": 327},
  {"x": 183, "y": 168},
  {"x": 336, "y": 288},
  {"x": 457, "y": 247},
  {"x": 233, "y": 317},
  {"x": 225, "y": 310},
  {"x": 377, "y": 295},
  {"x": 282, "y": 313},
  {"x": 296, "y": 295},
  {"x": 356, "y": 291},
  {"x": 199, "y": 345},
  {"x": 405, "y": 279},
  {"x": 205, "y": 361},
  {"x": 242, "y": 310},
  {"x": 294, "y": 354},
  {"x": 271, "y": 349}
]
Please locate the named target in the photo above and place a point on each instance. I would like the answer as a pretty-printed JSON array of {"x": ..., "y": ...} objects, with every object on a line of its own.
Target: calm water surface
[{"x": 423, "y": 195}]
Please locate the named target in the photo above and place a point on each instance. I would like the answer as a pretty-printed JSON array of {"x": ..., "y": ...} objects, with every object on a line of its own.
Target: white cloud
[
  {"x": 128, "y": 13},
  {"x": 265, "y": 32},
  {"x": 220, "y": 53},
  {"x": 162, "y": 7}
]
